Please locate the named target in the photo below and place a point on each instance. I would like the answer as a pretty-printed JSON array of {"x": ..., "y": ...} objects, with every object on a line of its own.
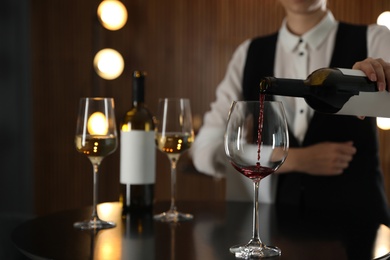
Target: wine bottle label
[
  {"x": 350, "y": 72},
  {"x": 374, "y": 104},
  {"x": 138, "y": 157}
]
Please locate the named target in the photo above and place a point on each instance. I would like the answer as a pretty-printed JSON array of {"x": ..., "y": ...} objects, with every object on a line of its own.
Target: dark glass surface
[{"x": 215, "y": 228}]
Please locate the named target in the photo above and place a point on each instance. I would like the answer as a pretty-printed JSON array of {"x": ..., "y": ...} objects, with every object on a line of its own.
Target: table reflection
[{"x": 216, "y": 227}]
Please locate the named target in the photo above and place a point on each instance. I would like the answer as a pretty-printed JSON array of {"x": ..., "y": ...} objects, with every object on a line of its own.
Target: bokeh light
[
  {"x": 383, "y": 123},
  {"x": 384, "y": 19},
  {"x": 112, "y": 14},
  {"x": 109, "y": 64}
]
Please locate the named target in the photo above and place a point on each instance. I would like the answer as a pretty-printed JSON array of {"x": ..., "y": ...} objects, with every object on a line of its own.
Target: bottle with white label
[
  {"x": 333, "y": 90},
  {"x": 137, "y": 153}
]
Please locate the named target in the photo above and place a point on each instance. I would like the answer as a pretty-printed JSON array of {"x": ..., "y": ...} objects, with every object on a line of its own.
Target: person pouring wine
[{"x": 333, "y": 161}]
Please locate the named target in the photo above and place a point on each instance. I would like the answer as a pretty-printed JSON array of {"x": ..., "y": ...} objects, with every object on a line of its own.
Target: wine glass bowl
[
  {"x": 96, "y": 137},
  {"x": 256, "y": 144},
  {"x": 174, "y": 135}
]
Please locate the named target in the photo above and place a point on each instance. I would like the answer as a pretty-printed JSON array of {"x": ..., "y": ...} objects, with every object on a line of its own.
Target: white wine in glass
[
  {"x": 96, "y": 137},
  {"x": 174, "y": 135},
  {"x": 256, "y": 144}
]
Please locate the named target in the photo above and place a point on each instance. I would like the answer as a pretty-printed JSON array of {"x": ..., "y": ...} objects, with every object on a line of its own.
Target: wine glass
[
  {"x": 96, "y": 137},
  {"x": 174, "y": 135},
  {"x": 256, "y": 144}
]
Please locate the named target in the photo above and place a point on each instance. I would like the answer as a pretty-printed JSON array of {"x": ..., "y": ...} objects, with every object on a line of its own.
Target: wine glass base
[
  {"x": 94, "y": 224},
  {"x": 173, "y": 216},
  {"x": 255, "y": 250}
]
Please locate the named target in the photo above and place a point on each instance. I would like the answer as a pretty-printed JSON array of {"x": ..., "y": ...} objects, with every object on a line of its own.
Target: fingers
[
  {"x": 341, "y": 163},
  {"x": 376, "y": 70},
  {"x": 346, "y": 149},
  {"x": 345, "y": 154}
]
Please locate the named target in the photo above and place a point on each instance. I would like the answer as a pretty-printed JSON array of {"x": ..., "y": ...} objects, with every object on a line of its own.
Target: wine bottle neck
[
  {"x": 138, "y": 90},
  {"x": 138, "y": 103},
  {"x": 283, "y": 87}
]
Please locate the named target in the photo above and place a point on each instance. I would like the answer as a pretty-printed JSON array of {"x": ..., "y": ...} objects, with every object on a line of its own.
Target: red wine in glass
[{"x": 255, "y": 172}]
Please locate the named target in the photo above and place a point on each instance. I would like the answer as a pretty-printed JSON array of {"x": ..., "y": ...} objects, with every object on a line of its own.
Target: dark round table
[{"x": 216, "y": 226}]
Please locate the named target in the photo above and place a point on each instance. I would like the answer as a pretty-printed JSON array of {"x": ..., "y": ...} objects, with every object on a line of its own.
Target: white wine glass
[
  {"x": 256, "y": 144},
  {"x": 174, "y": 135},
  {"x": 96, "y": 137}
]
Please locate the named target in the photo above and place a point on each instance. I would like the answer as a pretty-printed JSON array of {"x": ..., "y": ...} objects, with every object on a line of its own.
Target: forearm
[{"x": 207, "y": 152}]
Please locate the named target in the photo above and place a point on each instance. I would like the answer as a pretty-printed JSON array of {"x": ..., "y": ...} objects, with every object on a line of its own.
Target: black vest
[{"x": 360, "y": 187}]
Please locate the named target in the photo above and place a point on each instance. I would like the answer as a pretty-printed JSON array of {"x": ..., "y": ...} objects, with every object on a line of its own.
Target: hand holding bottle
[
  {"x": 376, "y": 70},
  {"x": 321, "y": 159}
]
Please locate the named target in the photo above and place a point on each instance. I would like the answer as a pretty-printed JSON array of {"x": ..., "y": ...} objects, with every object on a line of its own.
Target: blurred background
[{"x": 47, "y": 50}]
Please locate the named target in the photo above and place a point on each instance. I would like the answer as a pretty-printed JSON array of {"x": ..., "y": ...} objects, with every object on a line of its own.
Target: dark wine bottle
[
  {"x": 333, "y": 90},
  {"x": 137, "y": 153}
]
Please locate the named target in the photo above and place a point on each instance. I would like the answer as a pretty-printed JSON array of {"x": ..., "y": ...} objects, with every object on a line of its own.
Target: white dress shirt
[{"x": 304, "y": 54}]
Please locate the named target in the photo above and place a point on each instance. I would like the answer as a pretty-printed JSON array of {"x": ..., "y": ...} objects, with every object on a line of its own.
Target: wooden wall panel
[
  {"x": 384, "y": 140},
  {"x": 184, "y": 45},
  {"x": 61, "y": 73}
]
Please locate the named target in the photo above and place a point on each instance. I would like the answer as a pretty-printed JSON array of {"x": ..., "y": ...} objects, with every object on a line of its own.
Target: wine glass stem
[
  {"x": 255, "y": 236},
  {"x": 173, "y": 184},
  {"x": 95, "y": 191}
]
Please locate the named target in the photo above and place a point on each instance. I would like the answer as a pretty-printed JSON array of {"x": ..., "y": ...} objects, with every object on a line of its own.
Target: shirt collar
[{"x": 313, "y": 38}]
